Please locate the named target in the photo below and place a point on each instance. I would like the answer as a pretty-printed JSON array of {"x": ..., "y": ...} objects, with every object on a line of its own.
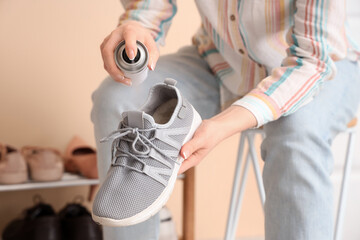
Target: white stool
[{"x": 251, "y": 157}]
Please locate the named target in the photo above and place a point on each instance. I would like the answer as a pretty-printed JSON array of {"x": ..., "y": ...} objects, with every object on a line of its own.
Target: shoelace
[{"x": 140, "y": 138}]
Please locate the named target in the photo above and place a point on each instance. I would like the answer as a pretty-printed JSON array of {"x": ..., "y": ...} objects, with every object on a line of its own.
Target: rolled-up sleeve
[{"x": 307, "y": 65}]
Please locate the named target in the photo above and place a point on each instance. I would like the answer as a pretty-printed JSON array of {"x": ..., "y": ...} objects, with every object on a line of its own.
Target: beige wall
[{"x": 49, "y": 65}]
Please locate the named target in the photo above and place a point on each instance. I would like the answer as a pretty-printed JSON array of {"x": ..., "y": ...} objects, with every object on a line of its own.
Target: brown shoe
[
  {"x": 80, "y": 158},
  {"x": 13, "y": 167},
  {"x": 45, "y": 164}
]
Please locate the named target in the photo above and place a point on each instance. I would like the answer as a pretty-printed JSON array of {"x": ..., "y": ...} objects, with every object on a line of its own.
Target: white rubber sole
[{"x": 164, "y": 196}]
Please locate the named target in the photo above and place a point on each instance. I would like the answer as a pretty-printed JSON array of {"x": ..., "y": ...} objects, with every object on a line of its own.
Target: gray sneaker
[{"x": 145, "y": 157}]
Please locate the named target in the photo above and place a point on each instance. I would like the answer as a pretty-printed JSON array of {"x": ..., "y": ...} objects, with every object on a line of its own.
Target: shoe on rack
[
  {"x": 77, "y": 223},
  {"x": 45, "y": 164},
  {"x": 80, "y": 158},
  {"x": 40, "y": 223},
  {"x": 145, "y": 157},
  {"x": 13, "y": 168}
]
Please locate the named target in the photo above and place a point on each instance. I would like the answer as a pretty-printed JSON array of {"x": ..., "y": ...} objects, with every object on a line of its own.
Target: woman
[{"x": 285, "y": 65}]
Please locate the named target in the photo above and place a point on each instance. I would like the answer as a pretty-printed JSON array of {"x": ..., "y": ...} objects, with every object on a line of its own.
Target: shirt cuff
[{"x": 261, "y": 105}]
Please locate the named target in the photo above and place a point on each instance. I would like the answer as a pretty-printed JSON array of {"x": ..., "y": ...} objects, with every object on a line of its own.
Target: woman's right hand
[{"x": 130, "y": 31}]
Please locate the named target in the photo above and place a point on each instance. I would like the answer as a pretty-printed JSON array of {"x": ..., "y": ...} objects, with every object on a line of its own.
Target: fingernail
[
  {"x": 128, "y": 82},
  {"x": 131, "y": 55},
  {"x": 121, "y": 77},
  {"x": 152, "y": 67},
  {"x": 184, "y": 155}
]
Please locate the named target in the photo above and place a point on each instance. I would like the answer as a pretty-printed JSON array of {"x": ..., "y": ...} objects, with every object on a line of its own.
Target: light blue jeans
[{"x": 296, "y": 151}]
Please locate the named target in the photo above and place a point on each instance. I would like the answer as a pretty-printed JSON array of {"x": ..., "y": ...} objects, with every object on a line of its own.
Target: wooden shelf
[{"x": 68, "y": 180}]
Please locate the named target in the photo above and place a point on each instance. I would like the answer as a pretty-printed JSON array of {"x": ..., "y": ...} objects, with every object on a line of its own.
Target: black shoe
[
  {"x": 40, "y": 223},
  {"x": 77, "y": 224}
]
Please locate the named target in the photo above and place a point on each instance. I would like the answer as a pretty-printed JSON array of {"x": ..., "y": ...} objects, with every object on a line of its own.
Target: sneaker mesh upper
[{"x": 126, "y": 192}]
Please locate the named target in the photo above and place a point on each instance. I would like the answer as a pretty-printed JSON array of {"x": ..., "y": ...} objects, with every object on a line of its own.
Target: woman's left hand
[
  {"x": 212, "y": 131},
  {"x": 204, "y": 140}
]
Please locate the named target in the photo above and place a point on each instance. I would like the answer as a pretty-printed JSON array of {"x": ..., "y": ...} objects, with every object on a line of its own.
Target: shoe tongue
[{"x": 138, "y": 119}]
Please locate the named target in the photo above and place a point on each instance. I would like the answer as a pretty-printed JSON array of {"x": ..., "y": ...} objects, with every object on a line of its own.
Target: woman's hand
[
  {"x": 130, "y": 31},
  {"x": 204, "y": 140},
  {"x": 211, "y": 132}
]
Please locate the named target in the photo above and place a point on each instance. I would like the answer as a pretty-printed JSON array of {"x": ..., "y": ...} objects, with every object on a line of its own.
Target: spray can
[{"x": 135, "y": 69}]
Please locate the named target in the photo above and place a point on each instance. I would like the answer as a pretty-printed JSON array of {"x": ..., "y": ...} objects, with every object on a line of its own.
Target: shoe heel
[
  {"x": 13, "y": 178},
  {"x": 194, "y": 125},
  {"x": 46, "y": 175}
]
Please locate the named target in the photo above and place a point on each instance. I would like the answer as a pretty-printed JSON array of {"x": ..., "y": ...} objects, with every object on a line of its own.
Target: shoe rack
[{"x": 67, "y": 180}]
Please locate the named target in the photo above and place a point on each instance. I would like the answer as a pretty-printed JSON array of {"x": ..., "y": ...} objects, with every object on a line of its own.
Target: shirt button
[
  {"x": 259, "y": 65},
  {"x": 232, "y": 17},
  {"x": 241, "y": 51}
]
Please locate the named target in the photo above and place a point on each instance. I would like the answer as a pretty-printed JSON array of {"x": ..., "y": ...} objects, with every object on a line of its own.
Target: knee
[
  {"x": 295, "y": 133},
  {"x": 296, "y": 147}
]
